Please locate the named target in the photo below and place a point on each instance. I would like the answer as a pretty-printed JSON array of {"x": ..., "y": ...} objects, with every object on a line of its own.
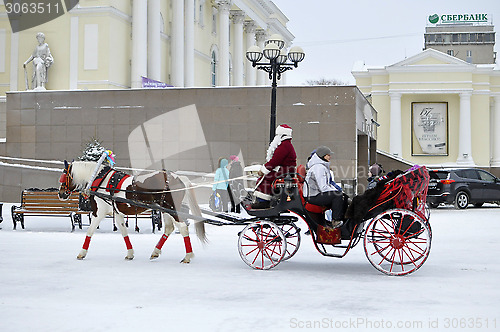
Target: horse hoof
[
  {"x": 127, "y": 258},
  {"x": 155, "y": 254},
  {"x": 80, "y": 258},
  {"x": 185, "y": 261}
]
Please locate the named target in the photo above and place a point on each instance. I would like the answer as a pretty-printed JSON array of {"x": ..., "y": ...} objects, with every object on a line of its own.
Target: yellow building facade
[
  {"x": 111, "y": 44},
  {"x": 435, "y": 109}
]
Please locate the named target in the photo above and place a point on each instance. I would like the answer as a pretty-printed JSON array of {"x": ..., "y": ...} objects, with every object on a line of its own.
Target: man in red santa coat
[{"x": 281, "y": 159}]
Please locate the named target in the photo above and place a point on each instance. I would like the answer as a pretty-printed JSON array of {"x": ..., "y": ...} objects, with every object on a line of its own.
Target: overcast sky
[{"x": 336, "y": 33}]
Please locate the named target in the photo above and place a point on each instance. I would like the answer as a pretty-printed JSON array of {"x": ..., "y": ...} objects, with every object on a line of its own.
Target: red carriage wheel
[
  {"x": 262, "y": 245},
  {"x": 397, "y": 242},
  {"x": 292, "y": 236}
]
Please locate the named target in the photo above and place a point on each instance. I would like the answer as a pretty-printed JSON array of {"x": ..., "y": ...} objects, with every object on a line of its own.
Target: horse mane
[{"x": 81, "y": 171}]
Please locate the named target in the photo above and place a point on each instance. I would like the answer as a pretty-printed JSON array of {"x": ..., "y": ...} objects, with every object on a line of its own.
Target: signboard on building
[
  {"x": 429, "y": 129},
  {"x": 466, "y": 18},
  {"x": 152, "y": 84}
]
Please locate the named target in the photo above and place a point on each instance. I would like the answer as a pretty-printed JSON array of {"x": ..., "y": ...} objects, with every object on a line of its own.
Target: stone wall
[{"x": 55, "y": 125}]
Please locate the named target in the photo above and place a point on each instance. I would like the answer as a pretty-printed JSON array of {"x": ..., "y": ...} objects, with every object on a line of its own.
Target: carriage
[
  {"x": 394, "y": 226},
  {"x": 395, "y": 229}
]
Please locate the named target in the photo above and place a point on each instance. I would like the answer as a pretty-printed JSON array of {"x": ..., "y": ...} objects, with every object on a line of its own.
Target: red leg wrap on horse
[
  {"x": 162, "y": 241},
  {"x": 187, "y": 243},
  {"x": 86, "y": 243},
  {"x": 127, "y": 242}
]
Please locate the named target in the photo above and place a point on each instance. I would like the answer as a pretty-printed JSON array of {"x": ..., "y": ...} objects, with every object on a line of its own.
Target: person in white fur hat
[{"x": 281, "y": 159}]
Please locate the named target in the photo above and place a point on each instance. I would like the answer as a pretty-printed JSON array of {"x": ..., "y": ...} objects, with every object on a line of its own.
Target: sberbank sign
[{"x": 458, "y": 18}]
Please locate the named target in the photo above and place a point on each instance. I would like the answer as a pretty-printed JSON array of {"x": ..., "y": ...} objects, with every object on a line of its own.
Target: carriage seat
[{"x": 301, "y": 171}]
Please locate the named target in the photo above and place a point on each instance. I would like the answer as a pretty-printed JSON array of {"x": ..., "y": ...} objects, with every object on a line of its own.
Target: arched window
[
  {"x": 213, "y": 69},
  {"x": 230, "y": 71}
]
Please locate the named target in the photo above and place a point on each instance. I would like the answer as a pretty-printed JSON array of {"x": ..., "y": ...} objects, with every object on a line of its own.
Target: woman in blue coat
[{"x": 221, "y": 181}]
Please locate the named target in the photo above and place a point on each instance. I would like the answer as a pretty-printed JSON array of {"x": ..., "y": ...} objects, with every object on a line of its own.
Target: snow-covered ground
[{"x": 43, "y": 287}]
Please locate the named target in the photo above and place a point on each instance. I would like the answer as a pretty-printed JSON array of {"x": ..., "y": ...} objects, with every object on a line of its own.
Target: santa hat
[{"x": 284, "y": 130}]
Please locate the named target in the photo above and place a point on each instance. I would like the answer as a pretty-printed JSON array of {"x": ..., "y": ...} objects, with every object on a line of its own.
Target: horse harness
[{"x": 115, "y": 181}]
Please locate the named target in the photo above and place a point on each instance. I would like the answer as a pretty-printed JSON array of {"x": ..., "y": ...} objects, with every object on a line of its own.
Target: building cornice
[
  {"x": 202, "y": 55},
  {"x": 438, "y": 68},
  {"x": 104, "y": 82},
  {"x": 108, "y": 10}
]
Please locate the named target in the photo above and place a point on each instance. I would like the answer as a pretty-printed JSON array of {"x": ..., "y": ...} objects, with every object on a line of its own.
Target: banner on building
[
  {"x": 430, "y": 129},
  {"x": 152, "y": 84}
]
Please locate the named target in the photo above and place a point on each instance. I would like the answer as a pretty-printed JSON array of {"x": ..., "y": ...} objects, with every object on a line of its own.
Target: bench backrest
[{"x": 41, "y": 201}]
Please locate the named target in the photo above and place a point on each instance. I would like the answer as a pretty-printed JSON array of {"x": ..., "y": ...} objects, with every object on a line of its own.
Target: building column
[
  {"x": 464, "y": 131},
  {"x": 395, "y": 137},
  {"x": 495, "y": 160},
  {"x": 177, "y": 44},
  {"x": 239, "y": 58},
  {"x": 260, "y": 37},
  {"x": 189, "y": 44},
  {"x": 14, "y": 62},
  {"x": 154, "y": 40},
  {"x": 139, "y": 61},
  {"x": 250, "y": 73},
  {"x": 73, "y": 53},
  {"x": 223, "y": 67}
]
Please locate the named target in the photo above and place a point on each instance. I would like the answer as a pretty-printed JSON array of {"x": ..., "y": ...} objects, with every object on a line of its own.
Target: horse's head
[{"x": 66, "y": 181}]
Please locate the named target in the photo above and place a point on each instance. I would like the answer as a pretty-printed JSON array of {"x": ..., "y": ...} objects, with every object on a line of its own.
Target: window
[
  {"x": 439, "y": 175},
  {"x": 201, "y": 20},
  {"x": 162, "y": 24},
  {"x": 486, "y": 176},
  {"x": 213, "y": 68},
  {"x": 230, "y": 71},
  {"x": 473, "y": 37},
  {"x": 447, "y": 39},
  {"x": 214, "y": 20},
  {"x": 468, "y": 56},
  {"x": 464, "y": 37},
  {"x": 454, "y": 38},
  {"x": 450, "y": 52},
  {"x": 480, "y": 37},
  {"x": 468, "y": 174},
  {"x": 439, "y": 38}
]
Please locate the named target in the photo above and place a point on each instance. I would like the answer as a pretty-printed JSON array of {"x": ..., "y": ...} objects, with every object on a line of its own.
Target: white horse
[{"x": 164, "y": 189}]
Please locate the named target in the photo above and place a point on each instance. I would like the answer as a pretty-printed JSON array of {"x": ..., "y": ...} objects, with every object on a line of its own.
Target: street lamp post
[{"x": 277, "y": 56}]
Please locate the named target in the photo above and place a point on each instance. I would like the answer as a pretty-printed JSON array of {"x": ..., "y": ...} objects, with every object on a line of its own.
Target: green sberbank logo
[
  {"x": 458, "y": 18},
  {"x": 434, "y": 18}
]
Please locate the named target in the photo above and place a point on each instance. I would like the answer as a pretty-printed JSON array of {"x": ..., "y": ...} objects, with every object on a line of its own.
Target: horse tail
[{"x": 195, "y": 209}]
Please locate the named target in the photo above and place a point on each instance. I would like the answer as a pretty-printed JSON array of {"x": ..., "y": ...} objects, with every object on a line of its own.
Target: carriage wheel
[
  {"x": 397, "y": 242},
  {"x": 292, "y": 236},
  {"x": 262, "y": 245}
]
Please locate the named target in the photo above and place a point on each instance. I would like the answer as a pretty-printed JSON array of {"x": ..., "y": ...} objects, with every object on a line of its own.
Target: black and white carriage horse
[{"x": 163, "y": 188}]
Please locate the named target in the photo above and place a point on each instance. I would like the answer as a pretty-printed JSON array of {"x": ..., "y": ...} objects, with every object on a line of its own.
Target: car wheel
[
  {"x": 433, "y": 205},
  {"x": 461, "y": 200},
  {"x": 478, "y": 205}
]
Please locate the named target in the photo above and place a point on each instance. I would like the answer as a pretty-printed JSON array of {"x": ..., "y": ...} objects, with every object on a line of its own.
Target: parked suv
[{"x": 462, "y": 187}]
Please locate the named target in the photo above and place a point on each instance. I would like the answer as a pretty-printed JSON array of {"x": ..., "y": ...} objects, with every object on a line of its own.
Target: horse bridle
[{"x": 66, "y": 178}]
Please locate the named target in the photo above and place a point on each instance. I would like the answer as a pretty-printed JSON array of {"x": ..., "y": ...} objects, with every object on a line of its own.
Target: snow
[{"x": 43, "y": 287}]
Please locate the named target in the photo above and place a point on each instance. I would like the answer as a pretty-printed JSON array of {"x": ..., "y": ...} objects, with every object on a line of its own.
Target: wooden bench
[
  {"x": 38, "y": 202},
  {"x": 46, "y": 202}
]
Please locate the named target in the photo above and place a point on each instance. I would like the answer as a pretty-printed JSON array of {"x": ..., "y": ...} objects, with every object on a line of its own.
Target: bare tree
[{"x": 324, "y": 81}]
